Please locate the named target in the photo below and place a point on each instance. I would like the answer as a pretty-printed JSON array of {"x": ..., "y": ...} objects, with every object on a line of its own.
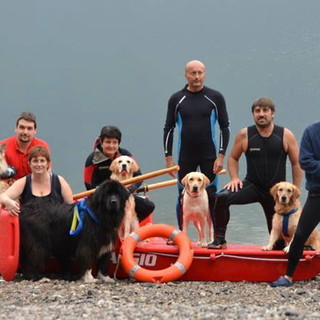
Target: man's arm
[
  {"x": 239, "y": 146},
  {"x": 168, "y": 132},
  {"x": 291, "y": 145},
  {"x": 309, "y": 154},
  {"x": 169, "y": 126}
]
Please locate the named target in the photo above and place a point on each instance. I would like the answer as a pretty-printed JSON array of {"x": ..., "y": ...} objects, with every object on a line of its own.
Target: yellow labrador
[
  {"x": 286, "y": 217},
  {"x": 123, "y": 168},
  {"x": 195, "y": 205}
]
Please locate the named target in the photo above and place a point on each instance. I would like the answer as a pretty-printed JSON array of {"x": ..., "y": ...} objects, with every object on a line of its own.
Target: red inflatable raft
[
  {"x": 235, "y": 263},
  {"x": 9, "y": 245}
]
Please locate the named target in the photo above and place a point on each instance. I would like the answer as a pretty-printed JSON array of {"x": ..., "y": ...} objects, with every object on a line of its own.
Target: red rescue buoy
[{"x": 175, "y": 271}]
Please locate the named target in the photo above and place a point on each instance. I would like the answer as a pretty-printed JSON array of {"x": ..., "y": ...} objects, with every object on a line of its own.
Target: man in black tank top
[{"x": 266, "y": 147}]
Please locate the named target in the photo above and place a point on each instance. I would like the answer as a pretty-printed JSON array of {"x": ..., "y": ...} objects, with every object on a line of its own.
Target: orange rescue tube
[
  {"x": 175, "y": 271},
  {"x": 9, "y": 244}
]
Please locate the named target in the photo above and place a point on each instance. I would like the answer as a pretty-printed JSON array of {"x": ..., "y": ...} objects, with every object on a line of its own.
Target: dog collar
[
  {"x": 285, "y": 221},
  {"x": 78, "y": 215}
]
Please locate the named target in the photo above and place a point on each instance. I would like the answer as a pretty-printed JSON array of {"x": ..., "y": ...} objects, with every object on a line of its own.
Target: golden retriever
[
  {"x": 286, "y": 217},
  {"x": 123, "y": 168},
  {"x": 195, "y": 206}
]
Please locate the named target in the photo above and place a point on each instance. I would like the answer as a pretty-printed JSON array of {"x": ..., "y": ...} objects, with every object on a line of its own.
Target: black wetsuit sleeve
[
  {"x": 169, "y": 126},
  {"x": 224, "y": 122}
]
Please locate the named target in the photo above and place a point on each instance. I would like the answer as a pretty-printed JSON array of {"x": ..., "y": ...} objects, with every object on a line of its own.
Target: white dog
[
  {"x": 123, "y": 168},
  {"x": 195, "y": 205}
]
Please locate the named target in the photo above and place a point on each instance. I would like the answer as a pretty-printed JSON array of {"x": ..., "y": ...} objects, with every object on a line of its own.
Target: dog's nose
[
  {"x": 283, "y": 198},
  {"x": 194, "y": 189},
  {"x": 114, "y": 201},
  {"x": 124, "y": 167}
]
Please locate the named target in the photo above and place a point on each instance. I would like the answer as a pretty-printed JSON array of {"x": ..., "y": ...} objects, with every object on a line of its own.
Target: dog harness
[
  {"x": 285, "y": 221},
  {"x": 78, "y": 215}
]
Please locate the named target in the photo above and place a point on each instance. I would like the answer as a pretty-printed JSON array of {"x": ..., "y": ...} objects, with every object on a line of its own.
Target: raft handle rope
[{"x": 223, "y": 255}]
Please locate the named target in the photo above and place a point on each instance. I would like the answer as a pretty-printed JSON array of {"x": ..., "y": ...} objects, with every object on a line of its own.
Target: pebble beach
[{"x": 127, "y": 299}]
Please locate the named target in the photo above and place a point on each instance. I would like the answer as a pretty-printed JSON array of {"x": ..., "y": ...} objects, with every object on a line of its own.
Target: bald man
[{"x": 196, "y": 109}]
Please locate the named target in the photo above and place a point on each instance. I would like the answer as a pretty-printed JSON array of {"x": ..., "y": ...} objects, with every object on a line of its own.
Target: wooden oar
[
  {"x": 158, "y": 185},
  {"x": 167, "y": 183},
  {"x": 142, "y": 177}
]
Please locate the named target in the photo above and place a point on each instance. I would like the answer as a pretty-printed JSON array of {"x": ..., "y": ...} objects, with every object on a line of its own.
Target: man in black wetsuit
[
  {"x": 266, "y": 147},
  {"x": 195, "y": 109}
]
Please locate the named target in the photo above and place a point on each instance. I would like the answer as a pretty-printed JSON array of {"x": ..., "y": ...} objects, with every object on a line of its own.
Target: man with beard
[
  {"x": 266, "y": 147},
  {"x": 19, "y": 146}
]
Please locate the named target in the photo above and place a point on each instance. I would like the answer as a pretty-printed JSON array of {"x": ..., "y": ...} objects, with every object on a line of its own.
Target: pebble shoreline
[{"x": 126, "y": 299}]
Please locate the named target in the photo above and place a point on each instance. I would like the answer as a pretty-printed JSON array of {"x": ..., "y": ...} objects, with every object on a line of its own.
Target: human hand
[
  {"x": 218, "y": 164},
  {"x": 169, "y": 164},
  {"x": 234, "y": 185},
  {"x": 13, "y": 208}
]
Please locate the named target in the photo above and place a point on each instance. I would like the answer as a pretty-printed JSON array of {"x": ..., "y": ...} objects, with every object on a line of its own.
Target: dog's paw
[
  {"x": 88, "y": 277},
  {"x": 104, "y": 279},
  {"x": 266, "y": 248},
  {"x": 202, "y": 244}
]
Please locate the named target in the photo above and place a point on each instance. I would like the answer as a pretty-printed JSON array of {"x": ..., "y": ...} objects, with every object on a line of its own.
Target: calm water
[{"x": 79, "y": 65}]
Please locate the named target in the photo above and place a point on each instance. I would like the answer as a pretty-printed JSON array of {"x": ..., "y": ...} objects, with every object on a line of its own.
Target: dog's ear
[
  {"x": 113, "y": 166},
  {"x": 273, "y": 191},
  {"x": 135, "y": 166},
  {"x": 185, "y": 179},
  {"x": 296, "y": 192},
  {"x": 206, "y": 181}
]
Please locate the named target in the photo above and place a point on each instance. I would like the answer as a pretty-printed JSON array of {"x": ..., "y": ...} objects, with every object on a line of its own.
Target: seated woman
[
  {"x": 41, "y": 183},
  {"x": 97, "y": 165}
]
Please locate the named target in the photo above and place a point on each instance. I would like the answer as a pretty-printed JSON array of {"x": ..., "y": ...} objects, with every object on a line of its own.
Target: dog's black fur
[{"x": 45, "y": 226}]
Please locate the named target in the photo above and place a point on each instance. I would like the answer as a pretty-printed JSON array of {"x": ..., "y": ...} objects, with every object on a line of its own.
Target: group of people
[
  {"x": 195, "y": 109},
  {"x": 266, "y": 146},
  {"x": 30, "y": 158}
]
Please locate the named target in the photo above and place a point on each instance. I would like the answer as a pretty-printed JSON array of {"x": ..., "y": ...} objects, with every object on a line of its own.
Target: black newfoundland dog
[{"x": 45, "y": 228}]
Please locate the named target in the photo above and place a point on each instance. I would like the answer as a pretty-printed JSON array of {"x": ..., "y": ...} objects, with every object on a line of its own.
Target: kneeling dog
[
  {"x": 195, "y": 205},
  {"x": 286, "y": 217},
  {"x": 45, "y": 230}
]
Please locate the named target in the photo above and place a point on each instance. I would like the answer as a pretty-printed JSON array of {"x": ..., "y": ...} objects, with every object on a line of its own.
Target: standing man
[
  {"x": 195, "y": 109},
  {"x": 19, "y": 146},
  {"x": 309, "y": 159},
  {"x": 266, "y": 147}
]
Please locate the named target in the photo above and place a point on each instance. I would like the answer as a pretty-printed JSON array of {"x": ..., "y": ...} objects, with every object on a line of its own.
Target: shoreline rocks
[{"x": 127, "y": 299}]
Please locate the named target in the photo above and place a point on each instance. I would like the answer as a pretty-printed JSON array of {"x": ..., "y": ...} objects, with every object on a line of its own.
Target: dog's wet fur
[
  {"x": 195, "y": 206},
  {"x": 45, "y": 227},
  {"x": 286, "y": 196}
]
